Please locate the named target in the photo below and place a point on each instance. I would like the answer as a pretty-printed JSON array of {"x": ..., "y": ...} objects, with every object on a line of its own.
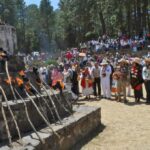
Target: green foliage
[
  {"x": 91, "y": 35},
  {"x": 7, "y": 11},
  {"x": 51, "y": 62},
  {"x": 46, "y": 17},
  {"x": 103, "y": 16},
  {"x": 75, "y": 21},
  {"x": 38, "y": 63}
]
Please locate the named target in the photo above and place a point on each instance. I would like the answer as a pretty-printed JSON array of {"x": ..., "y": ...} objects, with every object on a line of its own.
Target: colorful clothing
[
  {"x": 137, "y": 81},
  {"x": 136, "y": 77},
  {"x": 87, "y": 87},
  {"x": 87, "y": 84}
]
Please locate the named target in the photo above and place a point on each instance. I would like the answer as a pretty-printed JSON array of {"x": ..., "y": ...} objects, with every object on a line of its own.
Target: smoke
[
  {"x": 48, "y": 46},
  {"x": 44, "y": 42}
]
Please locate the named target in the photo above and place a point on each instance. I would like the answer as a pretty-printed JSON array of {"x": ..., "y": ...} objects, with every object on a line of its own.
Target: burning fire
[
  {"x": 21, "y": 73},
  {"x": 19, "y": 81},
  {"x": 16, "y": 81},
  {"x": 8, "y": 81},
  {"x": 28, "y": 87}
]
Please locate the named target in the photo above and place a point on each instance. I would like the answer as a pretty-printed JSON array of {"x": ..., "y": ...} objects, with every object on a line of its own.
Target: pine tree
[{"x": 47, "y": 17}]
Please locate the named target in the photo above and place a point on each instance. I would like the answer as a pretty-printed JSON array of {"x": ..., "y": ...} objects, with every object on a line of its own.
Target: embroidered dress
[
  {"x": 87, "y": 90},
  {"x": 115, "y": 77},
  {"x": 86, "y": 84},
  {"x": 136, "y": 77},
  {"x": 114, "y": 88},
  {"x": 136, "y": 81}
]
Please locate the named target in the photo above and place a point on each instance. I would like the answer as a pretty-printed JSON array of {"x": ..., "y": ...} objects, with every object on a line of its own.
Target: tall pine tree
[{"x": 46, "y": 17}]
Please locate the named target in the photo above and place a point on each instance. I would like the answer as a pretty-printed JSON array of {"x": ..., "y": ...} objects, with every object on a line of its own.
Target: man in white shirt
[
  {"x": 146, "y": 78},
  {"x": 105, "y": 73},
  {"x": 96, "y": 76}
]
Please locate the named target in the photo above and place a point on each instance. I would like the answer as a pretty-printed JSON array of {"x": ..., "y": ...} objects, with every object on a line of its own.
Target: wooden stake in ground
[
  {"x": 8, "y": 76},
  {"x": 47, "y": 123},
  {"x": 6, "y": 123},
  {"x": 13, "y": 117},
  {"x": 45, "y": 101},
  {"x": 43, "y": 86},
  {"x": 28, "y": 118}
]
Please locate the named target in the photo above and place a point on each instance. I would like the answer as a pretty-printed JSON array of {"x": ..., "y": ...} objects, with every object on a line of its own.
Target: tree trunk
[
  {"x": 148, "y": 20},
  {"x": 129, "y": 18},
  {"x": 102, "y": 21},
  {"x": 139, "y": 27},
  {"x": 135, "y": 16},
  {"x": 148, "y": 17},
  {"x": 144, "y": 16},
  {"x": 120, "y": 16}
]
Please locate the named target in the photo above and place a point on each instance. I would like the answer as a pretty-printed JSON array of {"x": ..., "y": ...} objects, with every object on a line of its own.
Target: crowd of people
[
  {"x": 101, "y": 76},
  {"x": 122, "y": 41},
  {"x": 89, "y": 73}
]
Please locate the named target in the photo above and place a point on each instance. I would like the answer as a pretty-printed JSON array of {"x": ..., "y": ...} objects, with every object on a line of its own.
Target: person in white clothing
[
  {"x": 146, "y": 78},
  {"x": 42, "y": 73},
  {"x": 67, "y": 73},
  {"x": 105, "y": 79}
]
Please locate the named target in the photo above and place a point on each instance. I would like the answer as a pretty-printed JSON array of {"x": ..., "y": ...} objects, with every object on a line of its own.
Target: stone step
[{"x": 74, "y": 128}]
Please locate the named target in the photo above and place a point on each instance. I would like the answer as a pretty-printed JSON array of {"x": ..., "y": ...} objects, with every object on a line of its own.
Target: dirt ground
[{"x": 126, "y": 126}]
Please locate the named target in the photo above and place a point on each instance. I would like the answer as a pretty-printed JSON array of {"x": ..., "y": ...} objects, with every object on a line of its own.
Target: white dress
[
  {"x": 105, "y": 81},
  {"x": 87, "y": 91}
]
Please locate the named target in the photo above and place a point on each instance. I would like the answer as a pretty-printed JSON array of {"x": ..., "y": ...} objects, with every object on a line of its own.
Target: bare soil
[{"x": 126, "y": 126}]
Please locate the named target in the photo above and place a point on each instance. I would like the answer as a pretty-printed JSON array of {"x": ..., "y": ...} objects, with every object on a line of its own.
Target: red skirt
[{"x": 138, "y": 87}]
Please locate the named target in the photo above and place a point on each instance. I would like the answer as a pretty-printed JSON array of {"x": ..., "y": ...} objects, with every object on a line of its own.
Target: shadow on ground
[
  {"x": 87, "y": 139},
  {"x": 134, "y": 103}
]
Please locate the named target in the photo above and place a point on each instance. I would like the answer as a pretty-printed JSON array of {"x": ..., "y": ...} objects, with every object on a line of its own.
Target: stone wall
[
  {"x": 8, "y": 38},
  {"x": 74, "y": 129},
  {"x": 20, "y": 115}
]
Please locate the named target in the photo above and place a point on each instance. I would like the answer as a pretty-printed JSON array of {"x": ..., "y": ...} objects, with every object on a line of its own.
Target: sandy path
[{"x": 127, "y": 127}]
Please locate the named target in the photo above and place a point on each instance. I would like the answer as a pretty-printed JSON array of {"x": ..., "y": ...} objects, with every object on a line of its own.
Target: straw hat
[
  {"x": 147, "y": 60},
  {"x": 137, "y": 60},
  {"x": 61, "y": 64},
  {"x": 104, "y": 62},
  {"x": 51, "y": 66},
  {"x": 117, "y": 67},
  {"x": 74, "y": 66},
  {"x": 82, "y": 54},
  {"x": 123, "y": 61}
]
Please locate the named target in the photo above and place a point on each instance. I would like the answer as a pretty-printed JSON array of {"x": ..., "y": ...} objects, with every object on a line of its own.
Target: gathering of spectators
[
  {"x": 100, "y": 76},
  {"x": 85, "y": 71},
  {"x": 107, "y": 43}
]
